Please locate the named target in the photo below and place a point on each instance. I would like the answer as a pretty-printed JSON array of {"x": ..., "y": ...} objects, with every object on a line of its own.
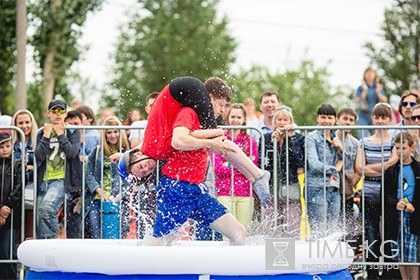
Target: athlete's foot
[{"x": 262, "y": 189}]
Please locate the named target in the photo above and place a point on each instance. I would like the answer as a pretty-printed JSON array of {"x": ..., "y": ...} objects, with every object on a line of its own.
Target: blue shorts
[
  {"x": 410, "y": 244},
  {"x": 177, "y": 201}
]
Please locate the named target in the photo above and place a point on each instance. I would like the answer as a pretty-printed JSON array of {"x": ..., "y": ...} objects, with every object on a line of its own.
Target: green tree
[
  {"x": 166, "y": 39},
  {"x": 302, "y": 89},
  {"x": 7, "y": 54},
  {"x": 57, "y": 25},
  {"x": 400, "y": 55}
]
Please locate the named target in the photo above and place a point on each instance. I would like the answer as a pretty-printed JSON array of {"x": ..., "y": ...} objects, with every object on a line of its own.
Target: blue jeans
[
  {"x": 73, "y": 220},
  {"x": 323, "y": 214},
  {"x": 372, "y": 206},
  {"x": 8, "y": 270},
  {"x": 50, "y": 198},
  {"x": 94, "y": 219}
]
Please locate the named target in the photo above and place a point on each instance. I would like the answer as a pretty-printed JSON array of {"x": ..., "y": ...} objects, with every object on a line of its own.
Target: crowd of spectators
[{"x": 72, "y": 174}]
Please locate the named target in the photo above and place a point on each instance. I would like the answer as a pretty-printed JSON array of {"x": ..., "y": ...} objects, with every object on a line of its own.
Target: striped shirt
[{"x": 374, "y": 153}]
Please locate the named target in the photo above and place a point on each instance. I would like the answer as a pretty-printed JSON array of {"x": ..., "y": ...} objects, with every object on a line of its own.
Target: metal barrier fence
[
  {"x": 12, "y": 232},
  {"x": 279, "y": 220}
]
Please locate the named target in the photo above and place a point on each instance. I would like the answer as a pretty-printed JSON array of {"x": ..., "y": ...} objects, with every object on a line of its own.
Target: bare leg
[
  {"x": 413, "y": 271},
  {"x": 240, "y": 160},
  {"x": 229, "y": 226},
  {"x": 404, "y": 272},
  {"x": 258, "y": 177}
]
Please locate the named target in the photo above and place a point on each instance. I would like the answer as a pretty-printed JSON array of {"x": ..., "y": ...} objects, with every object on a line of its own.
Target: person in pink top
[{"x": 234, "y": 190}]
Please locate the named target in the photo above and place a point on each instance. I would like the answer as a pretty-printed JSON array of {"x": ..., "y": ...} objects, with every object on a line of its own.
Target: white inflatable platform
[{"x": 130, "y": 257}]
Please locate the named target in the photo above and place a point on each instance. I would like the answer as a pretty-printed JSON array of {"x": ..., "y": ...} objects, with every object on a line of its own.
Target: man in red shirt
[
  {"x": 181, "y": 193},
  {"x": 208, "y": 101}
]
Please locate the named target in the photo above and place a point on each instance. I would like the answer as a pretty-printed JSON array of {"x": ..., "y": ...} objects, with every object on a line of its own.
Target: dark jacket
[
  {"x": 11, "y": 196},
  {"x": 28, "y": 158},
  {"x": 296, "y": 157},
  {"x": 390, "y": 193},
  {"x": 70, "y": 144}
]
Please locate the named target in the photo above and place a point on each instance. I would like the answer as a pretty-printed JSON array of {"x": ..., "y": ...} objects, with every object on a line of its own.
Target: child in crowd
[
  {"x": 10, "y": 205},
  {"x": 234, "y": 191},
  {"x": 402, "y": 201},
  {"x": 59, "y": 171}
]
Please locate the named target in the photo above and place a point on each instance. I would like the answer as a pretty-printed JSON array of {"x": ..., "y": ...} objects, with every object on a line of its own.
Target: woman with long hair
[
  {"x": 102, "y": 177},
  {"x": 233, "y": 189},
  {"x": 25, "y": 120},
  {"x": 375, "y": 154}
]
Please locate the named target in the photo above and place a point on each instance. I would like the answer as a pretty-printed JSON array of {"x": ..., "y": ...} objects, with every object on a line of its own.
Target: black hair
[
  {"x": 326, "y": 109},
  {"x": 74, "y": 114}
]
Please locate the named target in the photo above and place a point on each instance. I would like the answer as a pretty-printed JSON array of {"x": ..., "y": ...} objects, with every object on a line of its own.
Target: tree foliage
[
  {"x": 304, "y": 89},
  {"x": 57, "y": 25},
  {"x": 400, "y": 55},
  {"x": 166, "y": 39},
  {"x": 7, "y": 55}
]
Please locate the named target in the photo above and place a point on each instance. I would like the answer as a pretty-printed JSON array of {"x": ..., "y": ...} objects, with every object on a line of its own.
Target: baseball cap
[
  {"x": 57, "y": 103},
  {"x": 5, "y": 136}
]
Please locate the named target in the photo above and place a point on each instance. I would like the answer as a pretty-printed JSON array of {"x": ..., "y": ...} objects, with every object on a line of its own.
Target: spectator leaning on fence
[
  {"x": 59, "y": 171},
  {"x": 102, "y": 178},
  {"x": 348, "y": 117},
  {"x": 375, "y": 153},
  {"x": 402, "y": 206},
  {"x": 25, "y": 120},
  {"x": 10, "y": 205},
  {"x": 290, "y": 164},
  {"x": 235, "y": 193},
  {"x": 324, "y": 159}
]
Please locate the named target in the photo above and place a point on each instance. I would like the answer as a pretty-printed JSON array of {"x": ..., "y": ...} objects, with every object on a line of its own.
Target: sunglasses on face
[
  {"x": 405, "y": 104},
  {"x": 414, "y": 118},
  {"x": 58, "y": 111}
]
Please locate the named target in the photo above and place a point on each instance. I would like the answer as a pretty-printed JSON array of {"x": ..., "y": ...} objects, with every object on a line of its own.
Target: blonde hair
[
  {"x": 123, "y": 136},
  {"x": 284, "y": 111},
  {"x": 34, "y": 130},
  {"x": 249, "y": 101}
]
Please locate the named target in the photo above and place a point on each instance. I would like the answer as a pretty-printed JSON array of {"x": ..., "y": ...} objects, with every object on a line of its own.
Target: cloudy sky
[{"x": 273, "y": 33}]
